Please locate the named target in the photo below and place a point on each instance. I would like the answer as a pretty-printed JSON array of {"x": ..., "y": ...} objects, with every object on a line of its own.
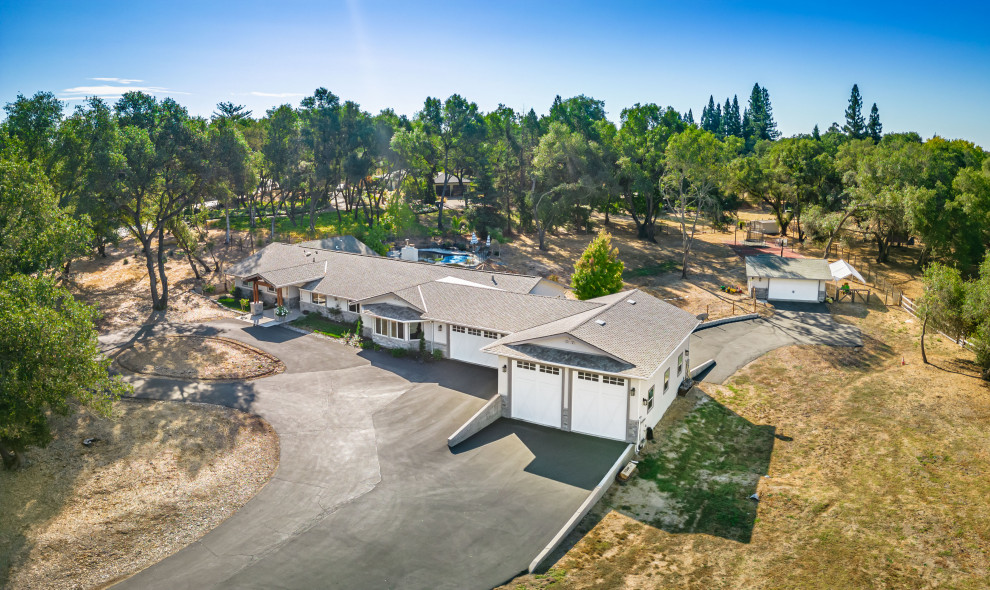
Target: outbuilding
[{"x": 775, "y": 278}]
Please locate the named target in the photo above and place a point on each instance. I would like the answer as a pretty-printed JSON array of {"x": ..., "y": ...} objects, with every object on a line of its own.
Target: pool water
[{"x": 455, "y": 259}]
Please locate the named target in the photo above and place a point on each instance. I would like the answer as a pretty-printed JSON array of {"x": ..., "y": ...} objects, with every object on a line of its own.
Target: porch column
[
  {"x": 255, "y": 283},
  {"x": 278, "y": 295}
]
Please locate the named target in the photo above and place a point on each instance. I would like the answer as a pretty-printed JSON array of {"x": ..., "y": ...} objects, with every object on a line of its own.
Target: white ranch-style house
[{"x": 607, "y": 367}]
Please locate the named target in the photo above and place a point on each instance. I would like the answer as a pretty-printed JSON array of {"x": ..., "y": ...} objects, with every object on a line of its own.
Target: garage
[
  {"x": 466, "y": 344},
  {"x": 599, "y": 405},
  {"x": 536, "y": 392},
  {"x": 793, "y": 290}
]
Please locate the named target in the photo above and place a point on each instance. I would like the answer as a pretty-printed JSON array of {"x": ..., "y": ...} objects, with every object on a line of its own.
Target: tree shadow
[{"x": 473, "y": 380}]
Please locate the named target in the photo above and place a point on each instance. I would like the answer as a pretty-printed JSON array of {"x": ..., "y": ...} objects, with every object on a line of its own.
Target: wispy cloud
[
  {"x": 113, "y": 91},
  {"x": 118, "y": 80},
  {"x": 276, "y": 94}
]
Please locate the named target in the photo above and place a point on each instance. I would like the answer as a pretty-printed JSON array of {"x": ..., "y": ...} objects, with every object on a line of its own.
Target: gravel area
[
  {"x": 197, "y": 357},
  {"x": 158, "y": 476}
]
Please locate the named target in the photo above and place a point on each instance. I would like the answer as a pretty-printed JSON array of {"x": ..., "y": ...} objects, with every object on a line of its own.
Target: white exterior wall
[
  {"x": 563, "y": 342},
  {"x": 794, "y": 290},
  {"x": 758, "y": 282}
]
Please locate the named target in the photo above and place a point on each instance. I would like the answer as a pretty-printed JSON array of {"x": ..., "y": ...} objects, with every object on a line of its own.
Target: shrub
[
  {"x": 438, "y": 355},
  {"x": 422, "y": 347},
  {"x": 125, "y": 261},
  {"x": 245, "y": 303},
  {"x": 398, "y": 352},
  {"x": 209, "y": 289},
  {"x": 599, "y": 271}
]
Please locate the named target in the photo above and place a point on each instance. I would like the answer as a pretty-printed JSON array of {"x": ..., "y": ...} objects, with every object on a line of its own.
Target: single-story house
[
  {"x": 342, "y": 243},
  {"x": 767, "y": 226},
  {"x": 775, "y": 278},
  {"x": 607, "y": 367},
  {"x": 455, "y": 185}
]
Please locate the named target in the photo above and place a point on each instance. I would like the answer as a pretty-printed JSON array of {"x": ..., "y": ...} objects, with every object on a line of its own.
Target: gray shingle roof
[
  {"x": 492, "y": 309},
  {"x": 392, "y": 312},
  {"x": 776, "y": 267},
  {"x": 643, "y": 334},
  {"x": 545, "y": 354},
  {"x": 341, "y": 243}
]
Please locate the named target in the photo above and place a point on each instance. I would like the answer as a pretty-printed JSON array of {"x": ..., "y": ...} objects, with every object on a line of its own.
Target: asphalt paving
[
  {"x": 367, "y": 494},
  {"x": 737, "y": 344}
]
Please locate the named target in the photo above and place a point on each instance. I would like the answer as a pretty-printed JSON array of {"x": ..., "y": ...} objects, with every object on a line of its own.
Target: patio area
[{"x": 267, "y": 318}]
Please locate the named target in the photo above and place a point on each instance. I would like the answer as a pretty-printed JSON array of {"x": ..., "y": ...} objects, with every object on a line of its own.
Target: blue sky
[{"x": 926, "y": 65}]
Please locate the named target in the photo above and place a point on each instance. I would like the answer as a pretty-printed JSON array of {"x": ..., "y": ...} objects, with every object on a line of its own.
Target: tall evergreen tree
[
  {"x": 855, "y": 126},
  {"x": 707, "y": 113},
  {"x": 690, "y": 117},
  {"x": 769, "y": 125},
  {"x": 816, "y": 134},
  {"x": 717, "y": 120},
  {"x": 735, "y": 117},
  {"x": 874, "y": 128},
  {"x": 759, "y": 123},
  {"x": 726, "y": 128},
  {"x": 599, "y": 271}
]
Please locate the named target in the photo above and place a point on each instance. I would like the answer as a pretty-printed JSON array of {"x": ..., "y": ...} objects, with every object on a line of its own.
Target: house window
[
  {"x": 549, "y": 370},
  {"x": 390, "y": 328},
  {"x": 474, "y": 332},
  {"x": 415, "y": 330},
  {"x": 492, "y": 335},
  {"x": 613, "y": 380},
  {"x": 354, "y": 306},
  {"x": 680, "y": 363},
  {"x": 525, "y": 365},
  {"x": 319, "y": 299},
  {"x": 666, "y": 380},
  {"x": 459, "y": 329},
  {"x": 587, "y": 376},
  {"x": 649, "y": 399}
]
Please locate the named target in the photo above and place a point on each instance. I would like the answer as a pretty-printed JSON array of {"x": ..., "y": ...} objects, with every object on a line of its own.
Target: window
[
  {"x": 549, "y": 370},
  {"x": 415, "y": 330},
  {"x": 666, "y": 380},
  {"x": 680, "y": 364},
  {"x": 458, "y": 329},
  {"x": 525, "y": 365},
  {"x": 587, "y": 376},
  {"x": 492, "y": 335},
  {"x": 474, "y": 332},
  {"x": 390, "y": 328},
  {"x": 613, "y": 380},
  {"x": 649, "y": 399},
  {"x": 354, "y": 306},
  {"x": 319, "y": 299}
]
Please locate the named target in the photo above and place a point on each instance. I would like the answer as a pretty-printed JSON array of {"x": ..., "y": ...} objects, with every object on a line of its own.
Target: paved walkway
[
  {"x": 367, "y": 494},
  {"x": 735, "y": 345}
]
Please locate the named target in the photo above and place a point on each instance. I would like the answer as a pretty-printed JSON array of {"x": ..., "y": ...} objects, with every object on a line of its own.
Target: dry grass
[
  {"x": 878, "y": 478},
  {"x": 196, "y": 357},
  {"x": 160, "y": 476}
]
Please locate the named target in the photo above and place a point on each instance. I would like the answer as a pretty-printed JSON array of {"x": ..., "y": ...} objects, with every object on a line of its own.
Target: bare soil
[
  {"x": 877, "y": 478},
  {"x": 158, "y": 476},
  {"x": 196, "y": 357}
]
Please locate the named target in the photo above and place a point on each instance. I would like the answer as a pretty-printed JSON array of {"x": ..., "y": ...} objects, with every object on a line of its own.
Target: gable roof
[
  {"x": 342, "y": 243},
  {"x": 776, "y": 267},
  {"x": 630, "y": 326}
]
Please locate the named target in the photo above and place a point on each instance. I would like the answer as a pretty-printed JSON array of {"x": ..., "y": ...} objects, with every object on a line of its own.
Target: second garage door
[
  {"x": 466, "y": 344},
  {"x": 599, "y": 405},
  {"x": 536, "y": 393}
]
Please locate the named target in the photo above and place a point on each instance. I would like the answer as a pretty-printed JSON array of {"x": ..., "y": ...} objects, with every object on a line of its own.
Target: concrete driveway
[
  {"x": 367, "y": 494},
  {"x": 735, "y": 345}
]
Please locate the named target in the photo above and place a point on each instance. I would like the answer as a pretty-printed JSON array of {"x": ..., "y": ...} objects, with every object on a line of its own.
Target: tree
[
  {"x": 32, "y": 124},
  {"x": 50, "y": 360},
  {"x": 942, "y": 303},
  {"x": 229, "y": 111},
  {"x": 711, "y": 119},
  {"x": 599, "y": 271},
  {"x": 855, "y": 126},
  {"x": 695, "y": 161},
  {"x": 451, "y": 125},
  {"x": 567, "y": 173},
  {"x": 874, "y": 128},
  {"x": 36, "y": 235},
  {"x": 977, "y": 316},
  {"x": 758, "y": 121}
]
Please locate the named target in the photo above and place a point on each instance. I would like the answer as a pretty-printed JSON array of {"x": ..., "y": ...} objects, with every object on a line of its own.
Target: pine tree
[
  {"x": 717, "y": 120},
  {"x": 737, "y": 125},
  {"x": 874, "y": 128},
  {"x": 769, "y": 125},
  {"x": 816, "y": 134},
  {"x": 726, "y": 119},
  {"x": 599, "y": 271},
  {"x": 855, "y": 126},
  {"x": 690, "y": 118},
  {"x": 707, "y": 113}
]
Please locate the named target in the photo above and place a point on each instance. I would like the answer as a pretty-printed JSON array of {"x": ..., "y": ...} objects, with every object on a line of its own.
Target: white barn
[{"x": 775, "y": 278}]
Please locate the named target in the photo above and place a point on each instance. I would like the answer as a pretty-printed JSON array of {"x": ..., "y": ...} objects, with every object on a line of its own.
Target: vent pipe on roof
[{"x": 600, "y": 322}]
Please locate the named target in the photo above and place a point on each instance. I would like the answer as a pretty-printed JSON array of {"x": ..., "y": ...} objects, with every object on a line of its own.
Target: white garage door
[
  {"x": 598, "y": 405},
  {"x": 536, "y": 393},
  {"x": 466, "y": 343},
  {"x": 793, "y": 290}
]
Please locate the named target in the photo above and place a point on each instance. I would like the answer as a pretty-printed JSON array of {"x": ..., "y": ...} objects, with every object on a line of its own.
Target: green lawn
[
  {"x": 650, "y": 270},
  {"x": 230, "y": 302},
  {"x": 322, "y": 325}
]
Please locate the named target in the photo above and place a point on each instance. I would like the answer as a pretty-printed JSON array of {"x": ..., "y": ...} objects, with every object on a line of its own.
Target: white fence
[{"x": 911, "y": 307}]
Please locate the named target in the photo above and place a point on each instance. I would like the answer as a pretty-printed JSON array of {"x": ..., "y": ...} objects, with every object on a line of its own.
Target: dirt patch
[
  {"x": 197, "y": 357},
  {"x": 158, "y": 476}
]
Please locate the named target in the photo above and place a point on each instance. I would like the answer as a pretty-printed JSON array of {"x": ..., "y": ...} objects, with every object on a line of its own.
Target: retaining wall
[
  {"x": 736, "y": 318},
  {"x": 489, "y": 413}
]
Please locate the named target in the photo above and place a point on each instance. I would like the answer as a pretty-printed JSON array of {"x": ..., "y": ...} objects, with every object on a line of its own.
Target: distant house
[
  {"x": 775, "y": 278},
  {"x": 606, "y": 367},
  {"x": 766, "y": 226},
  {"x": 455, "y": 186}
]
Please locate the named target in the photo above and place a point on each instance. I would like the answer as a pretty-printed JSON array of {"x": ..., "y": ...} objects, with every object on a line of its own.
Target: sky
[{"x": 925, "y": 64}]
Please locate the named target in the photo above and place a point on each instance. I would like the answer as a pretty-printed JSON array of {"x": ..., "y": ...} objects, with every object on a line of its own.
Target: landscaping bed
[
  {"x": 314, "y": 322},
  {"x": 158, "y": 476},
  {"x": 197, "y": 357}
]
